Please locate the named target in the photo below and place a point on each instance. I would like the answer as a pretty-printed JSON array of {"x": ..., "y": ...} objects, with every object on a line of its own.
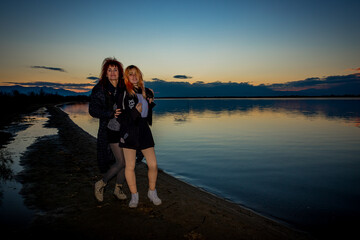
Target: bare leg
[
  {"x": 130, "y": 159},
  {"x": 149, "y": 154}
]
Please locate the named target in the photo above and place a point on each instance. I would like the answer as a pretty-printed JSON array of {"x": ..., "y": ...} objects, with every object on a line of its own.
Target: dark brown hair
[{"x": 105, "y": 66}]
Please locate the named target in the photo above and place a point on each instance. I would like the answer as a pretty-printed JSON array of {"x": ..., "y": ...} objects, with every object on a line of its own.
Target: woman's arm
[
  {"x": 97, "y": 106},
  {"x": 150, "y": 97}
]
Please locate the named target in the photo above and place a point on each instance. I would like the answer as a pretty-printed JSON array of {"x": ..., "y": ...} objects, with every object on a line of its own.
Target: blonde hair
[{"x": 129, "y": 86}]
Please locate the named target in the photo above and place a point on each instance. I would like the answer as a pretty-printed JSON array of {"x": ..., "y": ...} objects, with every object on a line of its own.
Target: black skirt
[
  {"x": 113, "y": 136},
  {"x": 137, "y": 137}
]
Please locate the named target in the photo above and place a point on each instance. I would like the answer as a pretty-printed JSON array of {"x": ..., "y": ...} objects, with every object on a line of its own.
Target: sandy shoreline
[{"x": 58, "y": 177}]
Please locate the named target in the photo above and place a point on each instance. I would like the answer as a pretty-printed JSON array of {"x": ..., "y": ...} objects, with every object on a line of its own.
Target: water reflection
[
  {"x": 13, "y": 212},
  {"x": 292, "y": 159},
  {"x": 346, "y": 108},
  {"x": 79, "y": 114},
  {"x": 6, "y": 172}
]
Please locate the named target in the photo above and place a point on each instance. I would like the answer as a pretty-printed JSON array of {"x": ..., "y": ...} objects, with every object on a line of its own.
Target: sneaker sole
[
  {"x": 119, "y": 198},
  {"x": 98, "y": 199},
  {"x": 155, "y": 203}
]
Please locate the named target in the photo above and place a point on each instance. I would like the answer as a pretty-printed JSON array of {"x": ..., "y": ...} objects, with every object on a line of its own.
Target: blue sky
[{"x": 258, "y": 42}]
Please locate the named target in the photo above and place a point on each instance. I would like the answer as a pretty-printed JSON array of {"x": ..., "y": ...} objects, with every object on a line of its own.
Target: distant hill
[
  {"x": 200, "y": 89},
  {"x": 37, "y": 90},
  {"x": 232, "y": 89},
  {"x": 345, "y": 89},
  {"x": 331, "y": 86}
]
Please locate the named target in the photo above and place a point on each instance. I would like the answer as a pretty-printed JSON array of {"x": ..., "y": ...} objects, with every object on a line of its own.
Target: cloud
[
  {"x": 317, "y": 83},
  {"x": 67, "y": 86},
  {"x": 201, "y": 89},
  {"x": 49, "y": 68},
  {"x": 93, "y": 78},
  {"x": 354, "y": 69},
  {"x": 182, "y": 77},
  {"x": 331, "y": 85},
  {"x": 158, "y": 79}
]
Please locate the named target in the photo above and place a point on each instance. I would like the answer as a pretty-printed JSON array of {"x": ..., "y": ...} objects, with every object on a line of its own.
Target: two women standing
[{"x": 130, "y": 103}]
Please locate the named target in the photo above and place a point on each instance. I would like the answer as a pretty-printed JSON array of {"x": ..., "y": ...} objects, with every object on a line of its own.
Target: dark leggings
[{"x": 118, "y": 168}]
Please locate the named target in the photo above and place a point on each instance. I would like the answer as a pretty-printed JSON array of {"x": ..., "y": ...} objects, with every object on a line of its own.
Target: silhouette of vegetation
[
  {"x": 15, "y": 104},
  {"x": 11, "y": 105},
  {"x": 6, "y": 173},
  {"x": 5, "y": 170}
]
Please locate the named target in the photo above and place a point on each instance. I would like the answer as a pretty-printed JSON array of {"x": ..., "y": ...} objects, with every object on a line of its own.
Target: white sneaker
[
  {"x": 99, "y": 190},
  {"x": 152, "y": 195},
  {"x": 134, "y": 200},
  {"x": 118, "y": 192}
]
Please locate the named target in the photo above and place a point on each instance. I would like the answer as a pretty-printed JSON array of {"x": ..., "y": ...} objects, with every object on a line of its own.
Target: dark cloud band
[
  {"x": 317, "y": 82},
  {"x": 182, "y": 77},
  {"x": 49, "y": 68},
  {"x": 93, "y": 78},
  {"x": 74, "y": 86},
  {"x": 331, "y": 85}
]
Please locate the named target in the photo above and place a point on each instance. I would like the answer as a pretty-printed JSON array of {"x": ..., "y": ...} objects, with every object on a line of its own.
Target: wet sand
[{"x": 58, "y": 182}]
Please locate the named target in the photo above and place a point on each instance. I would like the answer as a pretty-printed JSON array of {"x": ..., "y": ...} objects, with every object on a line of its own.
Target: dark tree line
[{"x": 16, "y": 103}]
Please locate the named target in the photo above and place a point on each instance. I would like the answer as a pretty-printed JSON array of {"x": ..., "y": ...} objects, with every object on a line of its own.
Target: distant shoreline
[{"x": 244, "y": 97}]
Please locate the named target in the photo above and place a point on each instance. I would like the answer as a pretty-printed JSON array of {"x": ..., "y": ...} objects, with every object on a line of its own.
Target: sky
[{"x": 256, "y": 41}]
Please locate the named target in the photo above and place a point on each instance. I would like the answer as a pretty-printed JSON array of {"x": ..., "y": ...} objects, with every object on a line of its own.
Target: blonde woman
[{"x": 136, "y": 133}]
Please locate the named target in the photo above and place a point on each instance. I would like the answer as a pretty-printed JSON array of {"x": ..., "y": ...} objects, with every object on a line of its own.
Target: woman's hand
[
  {"x": 139, "y": 107},
  {"x": 150, "y": 100},
  {"x": 117, "y": 112}
]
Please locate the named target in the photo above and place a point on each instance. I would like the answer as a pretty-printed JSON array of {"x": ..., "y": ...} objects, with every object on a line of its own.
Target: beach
[{"x": 58, "y": 183}]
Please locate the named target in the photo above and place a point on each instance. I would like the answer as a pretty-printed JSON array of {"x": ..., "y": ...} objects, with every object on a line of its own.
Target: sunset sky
[{"x": 255, "y": 41}]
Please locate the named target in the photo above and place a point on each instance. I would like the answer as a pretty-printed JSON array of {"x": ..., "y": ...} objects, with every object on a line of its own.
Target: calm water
[
  {"x": 14, "y": 215},
  {"x": 295, "y": 160}
]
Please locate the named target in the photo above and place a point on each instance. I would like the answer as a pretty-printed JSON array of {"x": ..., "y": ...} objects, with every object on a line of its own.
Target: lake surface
[
  {"x": 14, "y": 215},
  {"x": 294, "y": 160}
]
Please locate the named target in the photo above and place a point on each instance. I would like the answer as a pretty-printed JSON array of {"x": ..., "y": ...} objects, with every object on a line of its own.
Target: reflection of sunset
[
  {"x": 357, "y": 122},
  {"x": 256, "y": 145},
  {"x": 80, "y": 115},
  {"x": 77, "y": 108},
  {"x": 261, "y": 118},
  {"x": 83, "y": 90}
]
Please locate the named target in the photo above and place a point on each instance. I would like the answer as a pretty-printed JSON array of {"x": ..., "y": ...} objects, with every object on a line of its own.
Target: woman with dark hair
[
  {"x": 104, "y": 104},
  {"x": 135, "y": 133}
]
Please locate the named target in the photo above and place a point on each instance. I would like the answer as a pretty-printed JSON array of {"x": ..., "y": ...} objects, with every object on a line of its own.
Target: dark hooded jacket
[
  {"x": 129, "y": 120},
  {"x": 102, "y": 99},
  {"x": 129, "y": 103}
]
